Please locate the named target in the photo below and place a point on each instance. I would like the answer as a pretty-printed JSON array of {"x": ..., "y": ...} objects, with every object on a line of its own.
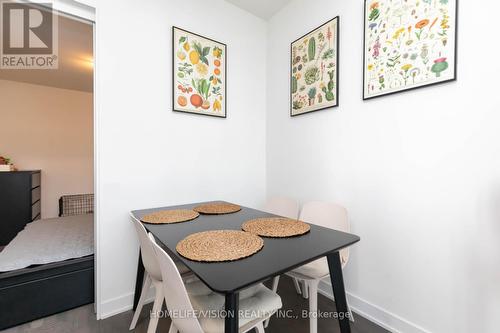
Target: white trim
[
  {"x": 75, "y": 8},
  {"x": 116, "y": 305},
  {"x": 374, "y": 313},
  {"x": 122, "y": 303},
  {"x": 71, "y": 8},
  {"x": 97, "y": 190}
]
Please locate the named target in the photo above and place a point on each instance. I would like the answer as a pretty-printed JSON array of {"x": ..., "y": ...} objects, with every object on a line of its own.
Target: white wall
[
  {"x": 49, "y": 129},
  {"x": 418, "y": 171},
  {"x": 150, "y": 156}
]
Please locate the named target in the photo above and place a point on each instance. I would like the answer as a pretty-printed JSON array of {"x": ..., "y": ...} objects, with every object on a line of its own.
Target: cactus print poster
[
  {"x": 199, "y": 74},
  {"x": 408, "y": 44},
  {"x": 314, "y": 70}
]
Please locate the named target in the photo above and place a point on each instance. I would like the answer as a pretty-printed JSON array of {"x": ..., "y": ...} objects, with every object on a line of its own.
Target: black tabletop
[{"x": 278, "y": 255}]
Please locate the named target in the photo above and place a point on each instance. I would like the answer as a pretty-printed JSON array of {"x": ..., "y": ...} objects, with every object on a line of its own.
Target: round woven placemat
[
  {"x": 219, "y": 245},
  {"x": 170, "y": 216},
  {"x": 276, "y": 227},
  {"x": 217, "y": 208}
]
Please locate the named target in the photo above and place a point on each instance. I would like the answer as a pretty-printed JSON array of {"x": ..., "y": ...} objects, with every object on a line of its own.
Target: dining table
[{"x": 278, "y": 256}]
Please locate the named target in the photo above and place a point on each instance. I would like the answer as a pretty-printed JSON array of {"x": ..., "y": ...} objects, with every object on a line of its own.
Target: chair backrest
[
  {"x": 328, "y": 215},
  {"x": 283, "y": 206},
  {"x": 147, "y": 252},
  {"x": 78, "y": 204},
  {"x": 177, "y": 298}
]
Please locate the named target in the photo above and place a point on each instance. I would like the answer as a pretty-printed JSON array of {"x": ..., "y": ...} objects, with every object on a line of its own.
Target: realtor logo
[{"x": 28, "y": 36}]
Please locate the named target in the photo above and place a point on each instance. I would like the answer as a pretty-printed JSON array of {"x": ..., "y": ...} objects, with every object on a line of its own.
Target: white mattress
[{"x": 49, "y": 240}]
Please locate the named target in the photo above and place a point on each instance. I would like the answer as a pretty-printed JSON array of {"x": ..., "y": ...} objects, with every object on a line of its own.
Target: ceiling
[
  {"x": 75, "y": 70},
  {"x": 262, "y": 8}
]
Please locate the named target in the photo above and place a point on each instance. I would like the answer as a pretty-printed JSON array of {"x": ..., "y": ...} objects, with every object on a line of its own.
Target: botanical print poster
[
  {"x": 199, "y": 74},
  {"x": 408, "y": 44},
  {"x": 314, "y": 70}
]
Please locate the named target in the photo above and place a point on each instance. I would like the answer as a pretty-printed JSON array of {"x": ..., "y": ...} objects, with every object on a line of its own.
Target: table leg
[
  {"x": 232, "y": 309},
  {"x": 339, "y": 291},
  {"x": 139, "y": 280}
]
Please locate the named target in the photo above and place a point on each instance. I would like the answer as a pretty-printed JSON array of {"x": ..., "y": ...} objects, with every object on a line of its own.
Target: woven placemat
[
  {"x": 219, "y": 245},
  {"x": 170, "y": 216},
  {"x": 217, "y": 208},
  {"x": 276, "y": 227}
]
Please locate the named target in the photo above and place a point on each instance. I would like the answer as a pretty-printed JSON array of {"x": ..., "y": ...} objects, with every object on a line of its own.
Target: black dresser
[{"x": 20, "y": 202}]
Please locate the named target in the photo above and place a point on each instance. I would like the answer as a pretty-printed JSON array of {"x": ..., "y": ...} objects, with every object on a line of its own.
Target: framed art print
[
  {"x": 199, "y": 74},
  {"x": 314, "y": 74},
  {"x": 408, "y": 44}
]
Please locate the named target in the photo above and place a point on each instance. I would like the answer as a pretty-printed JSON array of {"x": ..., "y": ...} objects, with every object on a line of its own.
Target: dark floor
[{"x": 82, "y": 320}]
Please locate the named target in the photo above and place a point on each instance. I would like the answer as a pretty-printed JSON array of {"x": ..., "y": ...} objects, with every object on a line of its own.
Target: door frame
[{"x": 86, "y": 10}]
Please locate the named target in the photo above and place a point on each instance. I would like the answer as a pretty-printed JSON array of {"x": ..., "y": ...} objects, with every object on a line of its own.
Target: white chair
[
  {"x": 152, "y": 276},
  {"x": 185, "y": 299},
  {"x": 282, "y": 206},
  {"x": 328, "y": 215},
  {"x": 286, "y": 207}
]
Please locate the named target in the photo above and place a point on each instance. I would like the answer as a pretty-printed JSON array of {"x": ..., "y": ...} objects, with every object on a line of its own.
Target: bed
[{"x": 47, "y": 268}]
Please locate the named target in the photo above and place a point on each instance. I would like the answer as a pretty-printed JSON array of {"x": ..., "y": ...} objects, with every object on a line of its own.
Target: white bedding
[{"x": 49, "y": 240}]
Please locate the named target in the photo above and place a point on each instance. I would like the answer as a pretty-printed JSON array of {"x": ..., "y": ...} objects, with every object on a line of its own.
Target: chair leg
[
  {"x": 145, "y": 288},
  {"x": 259, "y": 328},
  {"x": 172, "y": 329},
  {"x": 276, "y": 280},
  {"x": 305, "y": 289},
  {"x": 313, "y": 305},
  {"x": 297, "y": 286},
  {"x": 153, "y": 320},
  {"x": 266, "y": 323}
]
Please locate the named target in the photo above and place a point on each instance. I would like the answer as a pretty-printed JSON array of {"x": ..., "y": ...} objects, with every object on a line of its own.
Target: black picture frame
[
  {"x": 337, "y": 69},
  {"x": 174, "y": 28},
  {"x": 455, "y": 67}
]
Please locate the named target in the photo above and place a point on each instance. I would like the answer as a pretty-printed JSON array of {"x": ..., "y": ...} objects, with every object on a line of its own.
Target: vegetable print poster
[
  {"x": 314, "y": 70},
  {"x": 199, "y": 74},
  {"x": 408, "y": 44}
]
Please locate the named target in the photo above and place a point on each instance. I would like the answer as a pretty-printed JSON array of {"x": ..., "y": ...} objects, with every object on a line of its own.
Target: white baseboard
[
  {"x": 374, "y": 313},
  {"x": 121, "y": 304}
]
